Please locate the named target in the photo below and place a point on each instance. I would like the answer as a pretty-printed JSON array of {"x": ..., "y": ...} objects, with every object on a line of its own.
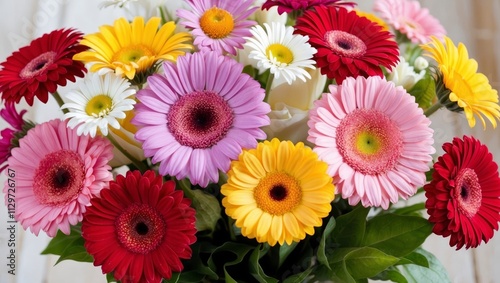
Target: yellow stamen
[
  {"x": 368, "y": 143},
  {"x": 280, "y": 52},
  {"x": 131, "y": 54},
  {"x": 99, "y": 105},
  {"x": 217, "y": 23},
  {"x": 278, "y": 193}
]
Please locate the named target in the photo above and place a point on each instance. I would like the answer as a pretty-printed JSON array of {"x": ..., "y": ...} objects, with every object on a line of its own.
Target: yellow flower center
[
  {"x": 278, "y": 193},
  {"x": 280, "y": 52},
  {"x": 217, "y": 23},
  {"x": 132, "y": 54},
  {"x": 99, "y": 105},
  {"x": 368, "y": 143}
]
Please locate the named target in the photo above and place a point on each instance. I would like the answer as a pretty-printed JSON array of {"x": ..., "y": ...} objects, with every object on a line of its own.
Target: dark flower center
[
  {"x": 38, "y": 65},
  {"x": 140, "y": 228},
  {"x": 59, "y": 178},
  {"x": 345, "y": 44},
  {"x": 467, "y": 192},
  {"x": 278, "y": 192},
  {"x": 200, "y": 119}
]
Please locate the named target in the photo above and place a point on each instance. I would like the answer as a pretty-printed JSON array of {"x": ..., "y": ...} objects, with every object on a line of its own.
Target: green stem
[
  {"x": 141, "y": 166},
  {"x": 432, "y": 109},
  {"x": 59, "y": 101},
  {"x": 269, "y": 83}
]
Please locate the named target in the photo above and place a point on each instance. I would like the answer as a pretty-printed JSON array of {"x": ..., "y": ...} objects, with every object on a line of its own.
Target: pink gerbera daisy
[
  {"x": 375, "y": 138},
  {"x": 57, "y": 173},
  {"x": 15, "y": 120},
  {"x": 198, "y": 116},
  {"x": 219, "y": 25},
  {"x": 288, "y": 6},
  {"x": 408, "y": 18}
]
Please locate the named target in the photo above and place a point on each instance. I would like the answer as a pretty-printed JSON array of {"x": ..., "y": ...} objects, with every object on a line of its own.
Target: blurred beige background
[{"x": 475, "y": 23}]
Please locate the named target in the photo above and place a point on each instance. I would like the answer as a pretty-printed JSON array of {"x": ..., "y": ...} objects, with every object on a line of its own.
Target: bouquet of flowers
[{"x": 251, "y": 141}]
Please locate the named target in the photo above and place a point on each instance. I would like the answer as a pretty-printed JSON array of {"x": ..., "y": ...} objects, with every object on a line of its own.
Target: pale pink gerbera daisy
[
  {"x": 375, "y": 139},
  {"x": 199, "y": 115},
  {"x": 408, "y": 18},
  {"x": 57, "y": 173},
  {"x": 219, "y": 25}
]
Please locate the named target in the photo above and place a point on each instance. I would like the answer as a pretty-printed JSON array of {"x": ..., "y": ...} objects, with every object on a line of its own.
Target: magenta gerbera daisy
[
  {"x": 348, "y": 45},
  {"x": 375, "y": 139},
  {"x": 140, "y": 228},
  {"x": 288, "y": 6},
  {"x": 219, "y": 25},
  {"x": 463, "y": 198},
  {"x": 198, "y": 116},
  {"x": 37, "y": 69},
  {"x": 57, "y": 173},
  {"x": 16, "y": 122},
  {"x": 408, "y": 18}
]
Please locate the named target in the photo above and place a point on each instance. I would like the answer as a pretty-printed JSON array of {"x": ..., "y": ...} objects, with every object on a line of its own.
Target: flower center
[
  {"x": 99, "y": 106},
  {"x": 200, "y": 119},
  {"x": 131, "y": 54},
  {"x": 38, "y": 65},
  {"x": 345, "y": 44},
  {"x": 280, "y": 53},
  {"x": 140, "y": 228},
  {"x": 467, "y": 192},
  {"x": 59, "y": 178},
  {"x": 217, "y": 23},
  {"x": 278, "y": 193},
  {"x": 369, "y": 141}
]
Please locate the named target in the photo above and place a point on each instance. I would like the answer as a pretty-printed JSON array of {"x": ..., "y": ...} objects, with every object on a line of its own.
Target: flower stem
[
  {"x": 59, "y": 101},
  {"x": 269, "y": 83},
  {"x": 141, "y": 166},
  {"x": 432, "y": 109}
]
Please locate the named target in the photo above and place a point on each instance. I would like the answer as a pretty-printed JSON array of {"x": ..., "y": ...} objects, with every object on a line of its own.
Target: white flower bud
[{"x": 421, "y": 63}]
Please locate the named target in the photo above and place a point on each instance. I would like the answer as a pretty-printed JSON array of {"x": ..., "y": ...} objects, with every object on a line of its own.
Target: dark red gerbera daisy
[
  {"x": 16, "y": 122},
  {"x": 463, "y": 198},
  {"x": 348, "y": 45},
  {"x": 140, "y": 228},
  {"x": 37, "y": 69},
  {"x": 287, "y": 6}
]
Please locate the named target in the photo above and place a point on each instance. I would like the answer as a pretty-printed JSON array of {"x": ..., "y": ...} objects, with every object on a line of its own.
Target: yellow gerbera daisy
[
  {"x": 131, "y": 49},
  {"x": 278, "y": 192},
  {"x": 464, "y": 86}
]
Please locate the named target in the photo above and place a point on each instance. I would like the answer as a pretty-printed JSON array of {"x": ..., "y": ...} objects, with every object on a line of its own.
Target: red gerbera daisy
[
  {"x": 37, "y": 69},
  {"x": 347, "y": 44},
  {"x": 463, "y": 198},
  {"x": 287, "y": 6},
  {"x": 139, "y": 228}
]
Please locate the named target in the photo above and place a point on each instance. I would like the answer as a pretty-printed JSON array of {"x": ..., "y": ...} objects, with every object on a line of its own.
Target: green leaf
[
  {"x": 414, "y": 209},
  {"x": 322, "y": 258},
  {"x": 255, "y": 268},
  {"x": 418, "y": 259},
  {"x": 436, "y": 273},
  {"x": 351, "y": 227},
  {"x": 391, "y": 275},
  {"x": 62, "y": 241},
  {"x": 299, "y": 277},
  {"x": 76, "y": 251},
  {"x": 195, "y": 269},
  {"x": 359, "y": 263},
  {"x": 284, "y": 251},
  {"x": 397, "y": 235},
  {"x": 250, "y": 70},
  {"x": 208, "y": 210},
  {"x": 226, "y": 252},
  {"x": 424, "y": 91}
]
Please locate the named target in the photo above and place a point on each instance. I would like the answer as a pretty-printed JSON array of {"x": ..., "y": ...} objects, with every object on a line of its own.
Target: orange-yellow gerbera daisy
[
  {"x": 132, "y": 49},
  {"x": 463, "y": 85},
  {"x": 278, "y": 192}
]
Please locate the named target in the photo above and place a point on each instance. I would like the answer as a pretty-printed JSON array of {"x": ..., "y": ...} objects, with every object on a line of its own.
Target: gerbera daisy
[
  {"x": 133, "y": 49},
  {"x": 57, "y": 173},
  {"x": 348, "y": 45},
  {"x": 372, "y": 17},
  {"x": 99, "y": 103},
  {"x": 278, "y": 49},
  {"x": 463, "y": 198},
  {"x": 288, "y": 6},
  {"x": 278, "y": 192},
  {"x": 16, "y": 122},
  {"x": 198, "y": 116},
  {"x": 218, "y": 25},
  {"x": 140, "y": 228},
  {"x": 460, "y": 87},
  {"x": 375, "y": 139},
  {"x": 408, "y": 18},
  {"x": 37, "y": 69}
]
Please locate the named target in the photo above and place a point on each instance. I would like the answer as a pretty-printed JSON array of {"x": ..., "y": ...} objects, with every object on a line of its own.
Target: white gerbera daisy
[
  {"x": 278, "y": 49},
  {"x": 98, "y": 103}
]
